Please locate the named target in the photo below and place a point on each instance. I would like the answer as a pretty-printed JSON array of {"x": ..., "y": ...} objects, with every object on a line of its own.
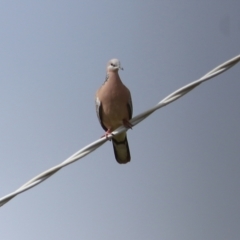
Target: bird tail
[{"x": 121, "y": 150}]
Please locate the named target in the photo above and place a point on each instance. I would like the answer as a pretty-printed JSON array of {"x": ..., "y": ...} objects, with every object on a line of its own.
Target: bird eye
[{"x": 113, "y": 65}]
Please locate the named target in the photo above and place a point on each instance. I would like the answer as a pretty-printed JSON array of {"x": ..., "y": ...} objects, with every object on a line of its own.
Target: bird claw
[
  {"x": 126, "y": 124},
  {"x": 107, "y": 133}
]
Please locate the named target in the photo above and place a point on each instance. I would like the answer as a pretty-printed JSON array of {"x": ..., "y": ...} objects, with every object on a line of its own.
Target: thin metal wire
[{"x": 137, "y": 119}]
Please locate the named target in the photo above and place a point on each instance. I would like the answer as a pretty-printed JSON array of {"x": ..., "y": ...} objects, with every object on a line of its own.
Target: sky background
[{"x": 183, "y": 181}]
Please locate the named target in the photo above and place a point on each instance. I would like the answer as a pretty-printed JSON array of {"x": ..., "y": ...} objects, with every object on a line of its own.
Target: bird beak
[{"x": 120, "y": 68}]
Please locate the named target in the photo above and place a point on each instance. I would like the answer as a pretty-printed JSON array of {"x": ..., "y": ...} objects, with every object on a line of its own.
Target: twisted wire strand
[{"x": 137, "y": 119}]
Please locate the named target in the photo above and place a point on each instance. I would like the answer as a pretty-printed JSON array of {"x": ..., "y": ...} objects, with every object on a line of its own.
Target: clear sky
[{"x": 184, "y": 176}]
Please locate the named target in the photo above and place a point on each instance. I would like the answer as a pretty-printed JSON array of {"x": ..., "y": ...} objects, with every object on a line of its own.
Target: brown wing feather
[{"x": 99, "y": 113}]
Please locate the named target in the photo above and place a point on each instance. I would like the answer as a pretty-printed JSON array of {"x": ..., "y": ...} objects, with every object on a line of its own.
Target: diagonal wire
[{"x": 137, "y": 119}]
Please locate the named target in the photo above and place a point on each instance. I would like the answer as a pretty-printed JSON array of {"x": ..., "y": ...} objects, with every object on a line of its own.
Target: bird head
[{"x": 114, "y": 65}]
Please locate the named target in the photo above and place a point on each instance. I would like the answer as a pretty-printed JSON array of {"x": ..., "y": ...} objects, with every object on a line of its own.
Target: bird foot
[
  {"x": 127, "y": 124},
  {"x": 107, "y": 133}
]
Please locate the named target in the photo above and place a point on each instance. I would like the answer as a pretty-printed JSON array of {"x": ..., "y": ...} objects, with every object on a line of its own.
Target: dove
[{"x": 114, "y": 108}]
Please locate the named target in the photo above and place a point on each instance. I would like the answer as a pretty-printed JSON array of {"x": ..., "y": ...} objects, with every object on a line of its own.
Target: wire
[{"x": 137, "y": 119}]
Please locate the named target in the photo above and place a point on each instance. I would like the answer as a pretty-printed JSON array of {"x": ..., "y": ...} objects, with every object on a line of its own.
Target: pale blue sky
[{"x": 184, "y": 177}]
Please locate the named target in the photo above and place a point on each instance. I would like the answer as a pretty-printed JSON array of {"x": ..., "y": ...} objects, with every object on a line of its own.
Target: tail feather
[{"x": 121, "y": 150}]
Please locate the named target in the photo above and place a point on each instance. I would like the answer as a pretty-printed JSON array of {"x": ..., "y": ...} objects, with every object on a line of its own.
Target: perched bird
[{"x": 114, "y": 108}]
